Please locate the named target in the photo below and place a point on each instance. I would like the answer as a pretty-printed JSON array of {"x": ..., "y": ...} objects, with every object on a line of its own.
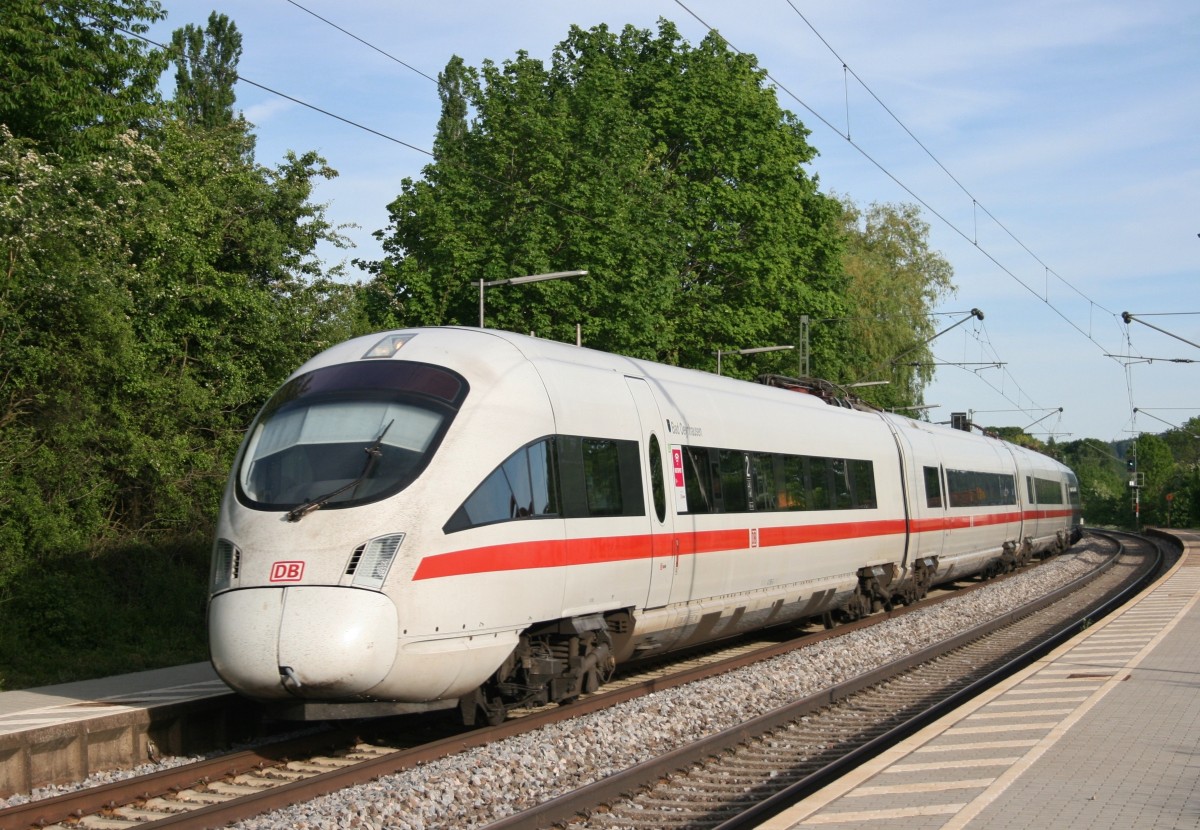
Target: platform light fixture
[
  {"x": 556, "y": 275},
  {"x": 756, "y": 350}
]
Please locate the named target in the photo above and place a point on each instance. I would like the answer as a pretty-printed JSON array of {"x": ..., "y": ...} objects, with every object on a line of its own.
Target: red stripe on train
[{"x": 600, "y": 549}]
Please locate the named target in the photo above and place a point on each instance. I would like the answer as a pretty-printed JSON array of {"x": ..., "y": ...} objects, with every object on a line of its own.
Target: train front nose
[{"x": 314, "y": 642}]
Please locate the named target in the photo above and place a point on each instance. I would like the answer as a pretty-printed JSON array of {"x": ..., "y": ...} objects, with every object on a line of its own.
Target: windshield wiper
[{"x": 373, "y": 455}]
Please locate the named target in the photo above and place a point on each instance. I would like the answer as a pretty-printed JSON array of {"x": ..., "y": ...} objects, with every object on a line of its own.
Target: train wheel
[{"x": 476, "y": 703}]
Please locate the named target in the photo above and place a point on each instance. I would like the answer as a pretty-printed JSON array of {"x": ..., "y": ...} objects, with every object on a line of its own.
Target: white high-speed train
[{"x": 430, "y": 518}]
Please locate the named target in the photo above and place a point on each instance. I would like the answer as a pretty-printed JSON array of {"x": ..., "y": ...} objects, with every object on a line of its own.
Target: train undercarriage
[
  {"x": 553, "y": 663},
  {"x": 557, "y": 662}
]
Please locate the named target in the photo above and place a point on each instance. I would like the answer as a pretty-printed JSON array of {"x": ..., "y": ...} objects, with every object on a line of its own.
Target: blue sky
[{"x": 1060, "y": 171}]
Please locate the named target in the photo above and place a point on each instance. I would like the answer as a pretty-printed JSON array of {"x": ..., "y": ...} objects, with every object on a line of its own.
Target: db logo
[{"x": 287, "y": 571}]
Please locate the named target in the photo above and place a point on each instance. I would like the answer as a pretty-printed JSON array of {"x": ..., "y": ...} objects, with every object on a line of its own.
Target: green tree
[
  {"x": 1184, "y": 442},
  {"x": 65, "y": 340},
  {"x": 668, "y": 171},
  {"x": 151, "y": 300},
  {"x": 1103, "y": 481},
  {"x": 1156, "y": 468},
  {"x": 156, "y": 284},
  {"x": 206, "y": 69},
  {"x": 1187, "y": 513},
  {"x": 230, "y": 298},
  {"x": 71, "y": 78},
  {"x": 1180, "y": 492},
  {"x": 895, "y": 280}
]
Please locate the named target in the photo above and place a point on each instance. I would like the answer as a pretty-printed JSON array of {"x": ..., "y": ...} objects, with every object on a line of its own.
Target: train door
[
  {"x": 1028, "y": 514},
  {"x": 935, "y": 498},
  {"x": 926, "y": 493},
  {"x": 664, "y": 546}
]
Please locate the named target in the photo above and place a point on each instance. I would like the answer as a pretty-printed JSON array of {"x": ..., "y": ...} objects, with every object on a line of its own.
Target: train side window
[
  {"x": 795, "y": 493},
  {"x": 862, "y": 479},
  {"x": 697, "y": 481},
  {"x": 1049, "y": 491},
  {"x": 933, "y": 487},
  {"x": 602, "y": 477},
  {"x": 1030, "y": 490},
  {"x": 733, "y": 468},
  {"x": 976, "y": 489},
  {"x": 1006, "y": 489},
  {"x": 523, "y": 486},
  {"x": 964, "y": 490},
  {"x": 657, "y": 487},
  {"x": 819, "y": 487},
  {"x": 599, "y": 477}
]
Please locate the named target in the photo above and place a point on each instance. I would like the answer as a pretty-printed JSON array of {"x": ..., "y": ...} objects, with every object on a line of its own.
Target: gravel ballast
[{"x": 479, "y": 786}]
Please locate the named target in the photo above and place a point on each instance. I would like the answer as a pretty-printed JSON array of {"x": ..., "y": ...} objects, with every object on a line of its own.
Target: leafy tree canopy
[
  {"x": 72, "y": 78},
  {"x": 206, "y": 70},
  {"x": 156, "y": 286},
  {"x": 667, "y": 171},
  {"x": 895, "y": 280}
]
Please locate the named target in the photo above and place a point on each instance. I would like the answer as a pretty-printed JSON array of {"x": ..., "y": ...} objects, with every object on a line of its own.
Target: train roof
[{"x": 461, "y": 347}]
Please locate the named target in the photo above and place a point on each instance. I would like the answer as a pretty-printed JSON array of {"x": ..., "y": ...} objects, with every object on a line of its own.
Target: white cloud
[{"x": 263, "y": 112}]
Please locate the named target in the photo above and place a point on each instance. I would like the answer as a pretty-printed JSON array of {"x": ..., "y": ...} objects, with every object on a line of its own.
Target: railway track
[
  {"x": 740, "y": 777},
  {"x": 233, "y": 787}
]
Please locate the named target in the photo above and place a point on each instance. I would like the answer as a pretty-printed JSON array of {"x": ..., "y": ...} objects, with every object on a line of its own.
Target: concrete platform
[
  {"x": 61, "y": 733},
  {"x": 1102, "y": 733}
]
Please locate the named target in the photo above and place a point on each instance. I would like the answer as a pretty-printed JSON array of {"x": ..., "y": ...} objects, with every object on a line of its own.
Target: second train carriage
[{"x": 528, "y": 513}]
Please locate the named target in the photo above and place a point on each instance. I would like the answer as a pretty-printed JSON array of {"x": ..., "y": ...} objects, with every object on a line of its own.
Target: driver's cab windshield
[{"x": 347, "y": 435}]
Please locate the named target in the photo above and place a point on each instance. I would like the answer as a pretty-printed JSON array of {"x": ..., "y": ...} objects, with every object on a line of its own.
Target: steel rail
[
  {"x": 568, "y": 806},
  {"x": 799, "y": 789}
]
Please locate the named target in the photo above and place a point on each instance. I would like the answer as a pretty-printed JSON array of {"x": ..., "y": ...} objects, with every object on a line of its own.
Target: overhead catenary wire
[
  {"x": 366, "y": 43},
  {"x": 815, "y": 113},
  {"x": 848, "y": 71},
  {"x": 935, "y": 212}
]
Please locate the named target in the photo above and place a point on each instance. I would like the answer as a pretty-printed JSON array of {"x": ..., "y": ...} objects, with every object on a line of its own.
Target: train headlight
[
  {"x": 226, "y": 562},
  {"x": 388, "y": 346},
  {"x": 372, "y": 560}
]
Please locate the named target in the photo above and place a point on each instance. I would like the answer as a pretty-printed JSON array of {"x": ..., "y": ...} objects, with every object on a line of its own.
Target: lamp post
[
  {"x": 557, "y": 275},
  {"x": 757, "y": 350}
]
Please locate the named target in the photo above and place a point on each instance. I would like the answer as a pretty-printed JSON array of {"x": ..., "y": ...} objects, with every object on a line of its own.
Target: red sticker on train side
[{"x": 287, "y": 571}]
